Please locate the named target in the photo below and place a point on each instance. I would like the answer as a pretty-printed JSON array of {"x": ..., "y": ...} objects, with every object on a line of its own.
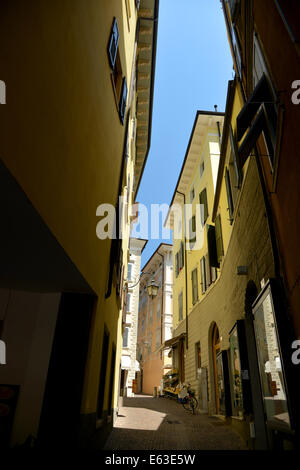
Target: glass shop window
[
  {"x": 270, "y": 361},
  {"x": 236, "y": 374}
]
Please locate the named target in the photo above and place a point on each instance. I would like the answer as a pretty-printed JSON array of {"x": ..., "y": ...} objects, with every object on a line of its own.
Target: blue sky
[{"x": 193, "y": 66}]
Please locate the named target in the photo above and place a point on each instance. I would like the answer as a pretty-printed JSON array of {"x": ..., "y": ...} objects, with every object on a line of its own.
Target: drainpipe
[
  {"x": 162, "y": 300},
  {"x": 186, "y": 284},
  {"x": 218, "y": 124}
]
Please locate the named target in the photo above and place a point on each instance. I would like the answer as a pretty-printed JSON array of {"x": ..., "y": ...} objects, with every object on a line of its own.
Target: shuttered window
[
  {"x": 180, "y": 306},
  {"x": 177, "y": 264},
  {"x": 208, "y": 271},
  {"x": 195, "y": 285},
  {"x": 123, "y": 100},
  {"x": 219, "y": 238},
  {"x": 203, "y": 275},
  {"x": 181, "y": 255},
  {"x": 229, "y": 195},
  {"x": 125, "y": 338},
  {"x": 203, "y": 206},
  {"x": 262, "y": 103},
  {"x": 113, "y": 44},
  {"x": 193, "y": 229},
  {"x": 236, "y": 158}
]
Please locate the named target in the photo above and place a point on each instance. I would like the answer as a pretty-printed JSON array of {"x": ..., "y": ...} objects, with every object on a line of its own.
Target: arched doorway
[{"x": 217, "y": 366}]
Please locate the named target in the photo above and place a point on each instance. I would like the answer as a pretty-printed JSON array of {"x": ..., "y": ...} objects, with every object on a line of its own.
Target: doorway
[{"x": 60, "y": 416}]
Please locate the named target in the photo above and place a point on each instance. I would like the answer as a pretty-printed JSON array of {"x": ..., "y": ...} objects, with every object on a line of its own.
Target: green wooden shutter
[
  {"x": 203, "y": 275},
  {"x": 177, "y": 264},
  {"x": 195, "y": 285},
  {"x": 204, "y": 206},
  {"x": 208, "y": 271},
  {"x": 229, "y": 195},
  {"x": 236, "y": 159},
  {"x": 219, "y": 238},
  {"x": 180, "y": 306},
  {"x": 181, "y": 255}
]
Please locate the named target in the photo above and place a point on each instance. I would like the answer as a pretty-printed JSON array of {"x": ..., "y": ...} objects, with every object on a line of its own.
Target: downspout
[
  {"x": 162, "y": 300},
  {"x": 218, "y": 124},
  {"x": 186, "y": 284}
]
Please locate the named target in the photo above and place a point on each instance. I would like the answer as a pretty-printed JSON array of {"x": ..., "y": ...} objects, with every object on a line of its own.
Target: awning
[{"x": 171, "y": 342}]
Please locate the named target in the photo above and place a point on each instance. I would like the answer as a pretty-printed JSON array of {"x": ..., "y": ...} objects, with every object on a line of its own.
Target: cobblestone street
[{"x": 147, "y": 423}]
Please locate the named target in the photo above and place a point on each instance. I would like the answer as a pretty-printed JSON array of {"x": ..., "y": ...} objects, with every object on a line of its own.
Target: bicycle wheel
[
  {"x": 190, "y": 404},
  {"x": 193, "y": 403}
]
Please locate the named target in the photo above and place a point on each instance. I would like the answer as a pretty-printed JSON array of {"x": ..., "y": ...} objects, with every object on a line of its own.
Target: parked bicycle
[{"x": 189, "y": 401}]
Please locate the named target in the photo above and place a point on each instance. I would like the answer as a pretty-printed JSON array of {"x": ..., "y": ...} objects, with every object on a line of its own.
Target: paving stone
[{"x": 147, "y": 423}]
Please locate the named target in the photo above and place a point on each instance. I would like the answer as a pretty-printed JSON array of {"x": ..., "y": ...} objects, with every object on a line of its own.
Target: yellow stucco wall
[{"x": 62, "y": 139}]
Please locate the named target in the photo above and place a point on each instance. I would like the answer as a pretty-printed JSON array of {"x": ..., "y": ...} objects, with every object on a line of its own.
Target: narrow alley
[{"x": 147, "y": 423}]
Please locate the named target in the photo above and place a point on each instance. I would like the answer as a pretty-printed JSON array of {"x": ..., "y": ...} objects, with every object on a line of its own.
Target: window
[
  {"x": 233, "y": 8},
  {"x": 211, "y": 272},
  {"x": 212, "y": 246},
  {"x": 193, "y": 229},
  {"x": 128, "y": 302},
  {"x": 203, "y": 206},
  {"x": 236, "y": 48},
  {"x": 235, "y": 158},
  {"x": 229, "y": 195},
  {"x": 219, "y": 238},
  {"x": 203, "y": 275},
  {"x": 180, "y": 306},
  {"x": 125, "y": 337},
  {"x": 181, "y": 256},
  {"x": 113, "y": 44},
  {"x": 259, "y": 114},
  {"x": 192, "y": 195},
  {"x": 236, "y": 374},
  {"x": 266, "y": 310},
  {"x": 118, "y": 81},
  {"x": 177, "y": 263},
  {"x": 201, "y": 169},
  {"x": 129, "y": 272},
  {"x": 195, "y": 285}
]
